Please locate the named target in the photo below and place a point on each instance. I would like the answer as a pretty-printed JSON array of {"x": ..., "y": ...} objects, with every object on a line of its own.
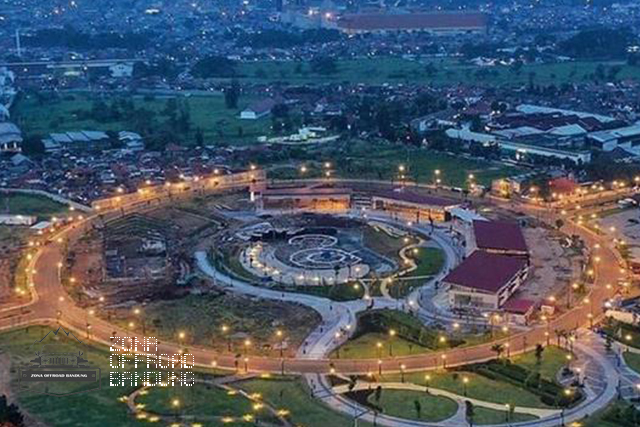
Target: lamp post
[
  {"x": 225, "y": 332},
  {"x": 280, "y": 335},
  {"x": 247, "y": 345},
  {"x": 392, "y": 333}
]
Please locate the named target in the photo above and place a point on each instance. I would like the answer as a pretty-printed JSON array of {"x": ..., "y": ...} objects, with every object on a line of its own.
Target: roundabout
[{"x": 51, "y": 304}]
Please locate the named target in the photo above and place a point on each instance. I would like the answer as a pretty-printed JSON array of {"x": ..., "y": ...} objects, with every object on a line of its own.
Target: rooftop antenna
[{"x": 18, "y": 46}]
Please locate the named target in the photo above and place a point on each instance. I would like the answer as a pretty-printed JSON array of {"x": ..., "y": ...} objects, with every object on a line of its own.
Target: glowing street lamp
[
  {"x": 280, "y": 336},
  {"x": 225, "y": 332}
]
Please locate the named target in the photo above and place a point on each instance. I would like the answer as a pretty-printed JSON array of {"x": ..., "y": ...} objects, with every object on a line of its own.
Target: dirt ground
[
  {"x": 12, "y": 243},
  {"x": 553, "y": 267}
]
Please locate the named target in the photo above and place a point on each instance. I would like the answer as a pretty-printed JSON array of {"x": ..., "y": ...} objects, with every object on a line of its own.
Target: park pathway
[{"x": 600, "y": 388}]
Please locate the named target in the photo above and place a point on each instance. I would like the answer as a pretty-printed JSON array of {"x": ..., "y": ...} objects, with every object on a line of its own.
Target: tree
[
  {"x": 469, "y": 411},
  {"x": 232, "y": 95},
  {"x": 378, "y": 394},
  {"x": 538, "y": 353},
  {"x": 32, "y": 145},
  {"x": 418, "y": 407},
  {"x": 214, "y": 66},
  {"x": 10, "y": 414},
  {"x": 199, "y": 136}
]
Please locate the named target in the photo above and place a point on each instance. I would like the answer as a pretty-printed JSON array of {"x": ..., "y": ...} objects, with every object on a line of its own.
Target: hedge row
[{"x": 549, "y": 392}]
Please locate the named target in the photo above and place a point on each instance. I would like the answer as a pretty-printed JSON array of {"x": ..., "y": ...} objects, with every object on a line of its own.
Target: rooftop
[
  {"x": 433, "y": 21},
  {"x": 411, "y": 197},
  {"x": 499, "y": 235},
  {"x": 486, "y": 271}
]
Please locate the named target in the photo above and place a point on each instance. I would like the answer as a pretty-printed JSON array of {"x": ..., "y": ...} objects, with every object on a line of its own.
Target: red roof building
[
  {"x": 500, "y": 237},
  {"x": 485, "y": 280}
]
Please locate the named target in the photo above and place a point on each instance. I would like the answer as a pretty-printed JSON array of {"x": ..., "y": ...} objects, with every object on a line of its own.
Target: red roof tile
[
  {"x": 499, "y": 235},
  {"x": 486, "y": 271}
]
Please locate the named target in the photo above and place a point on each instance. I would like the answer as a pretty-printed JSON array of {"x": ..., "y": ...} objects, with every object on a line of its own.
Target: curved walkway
[
  {"x": 600, "y": 389},
  {"x": 363, "y": 385}
]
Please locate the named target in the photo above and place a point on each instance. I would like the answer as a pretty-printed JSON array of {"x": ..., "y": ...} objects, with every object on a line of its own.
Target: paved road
[{"x": 52, "y": 299}]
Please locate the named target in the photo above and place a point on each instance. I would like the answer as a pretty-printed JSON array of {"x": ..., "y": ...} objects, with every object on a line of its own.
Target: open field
[
  {"x": 200, "y": 400},
  {"x": 28, "y": 204},
  {"x": 483, "y": 416},
  {"x": 201, "y": 317},
  {"x": 97, "y": 408},
  {"x": 103, "y": 407},
  {"x": 68, "y": 112},
  {"x": 380, "y": 160},
  {"x": 366, "y": 347},
  {"x": 444, "y": 71},
  {"x": 293, "y": 394}
]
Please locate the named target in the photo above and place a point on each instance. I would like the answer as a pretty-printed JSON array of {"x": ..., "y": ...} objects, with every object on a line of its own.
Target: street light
[
  {"x": 225, "y": 332},
  {"x": 280, "y": 335}
]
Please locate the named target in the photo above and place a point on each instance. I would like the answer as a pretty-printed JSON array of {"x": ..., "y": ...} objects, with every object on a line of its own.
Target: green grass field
[
  {"x": 553, "y": 359},
  {"x": 201, "y": 402},
  {"x": 96, "y": 408},
  {"x": 103, "y": 407},
  {"x": 429, "y": 261},
  {"x": 292, "y": 394},
  {"x": 484, "y": 416},
  {"x": 401, "y": 403},
  {"x": 633, "y": 360},
  {"x": 365, "y": 347},
  {"x": 448, "y": 71},
  {"x": 209, "y": 113},
  {"x": 380, "y": 160},
  {"x": 29, "y": 204},
  {"x": 476, "y": 387}
]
